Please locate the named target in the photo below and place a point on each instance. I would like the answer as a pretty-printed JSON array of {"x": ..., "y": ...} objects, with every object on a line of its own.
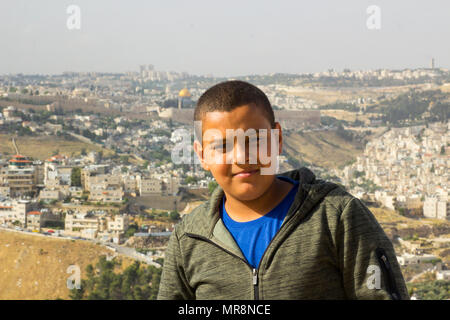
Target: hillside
[
  {"x": 316, "y": 148},
  {"x": 34, "y": 267},
  {"x": 432, "y": 230},
  {"x": 43, "y": 147}
]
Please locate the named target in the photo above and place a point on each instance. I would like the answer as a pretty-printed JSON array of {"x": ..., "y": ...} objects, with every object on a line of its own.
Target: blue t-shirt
[{"x": 254, "y": 236}]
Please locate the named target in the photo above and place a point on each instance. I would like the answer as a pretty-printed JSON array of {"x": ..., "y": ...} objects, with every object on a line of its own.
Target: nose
[
  {"x": 244, "y": 153},
  {"x": 241, "y": 152}
]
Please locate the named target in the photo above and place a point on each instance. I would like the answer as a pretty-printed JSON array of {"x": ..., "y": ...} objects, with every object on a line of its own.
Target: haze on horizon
[{"x": 229, "y": 38}]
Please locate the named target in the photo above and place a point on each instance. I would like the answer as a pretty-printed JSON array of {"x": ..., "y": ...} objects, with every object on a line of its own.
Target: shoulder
[
  {"x": 332, "y": 197},
  {"x": 193, "y": 221},
  {"x": 338, "y": 197},
  {"x": 349, "y": 210}
]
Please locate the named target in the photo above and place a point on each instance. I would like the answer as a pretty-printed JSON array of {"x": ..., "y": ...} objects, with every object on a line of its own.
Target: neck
[{"x": 246, "y": 210}]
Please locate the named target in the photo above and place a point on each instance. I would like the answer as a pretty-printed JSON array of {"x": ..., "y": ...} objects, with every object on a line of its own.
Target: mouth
[{"x": 246, "y": 173}]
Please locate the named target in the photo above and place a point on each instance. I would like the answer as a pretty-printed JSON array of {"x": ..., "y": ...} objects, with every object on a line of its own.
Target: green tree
[
  {"x": 75, "y": 177},
  {"x": 174, "y": 215},
  {"x": 124, "y": 159},
  {"x": 190, "y": 180},
  {"x": 136, "y": 282},
  {"x": 211, "y": 186},
  {"x": 132, "y": 229}
]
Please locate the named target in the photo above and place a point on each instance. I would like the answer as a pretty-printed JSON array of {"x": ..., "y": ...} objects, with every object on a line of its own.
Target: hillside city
[{"x": 118, "y": 186}]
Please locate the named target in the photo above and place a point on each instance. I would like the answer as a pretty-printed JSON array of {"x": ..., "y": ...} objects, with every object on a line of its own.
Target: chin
[{"x": 249, "y": 193}]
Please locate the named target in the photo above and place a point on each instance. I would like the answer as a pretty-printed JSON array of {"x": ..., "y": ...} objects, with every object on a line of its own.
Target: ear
[
  {"x": 280, "y": 137},
  {"x": 199, "y": 151}
]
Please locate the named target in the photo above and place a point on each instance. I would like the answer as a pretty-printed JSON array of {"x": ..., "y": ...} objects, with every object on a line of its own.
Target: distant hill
[
  {"x": 35, "y": 267},
  {"x": 47, "y": 145},
  {"x": 321, "y": 148}
]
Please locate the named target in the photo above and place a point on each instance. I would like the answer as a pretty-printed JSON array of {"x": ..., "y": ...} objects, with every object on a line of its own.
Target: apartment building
[
  {"x": 34, "y": 220},
  {"x": 90, "y": 225},
  {"x": 14, "y": 210},
  {"x": 20, "y": 176},
  {"x": 436, "y": 207},
  {"x": 83, "y": 224},
  {"x": 408, "y": 259},
  {"x": 172, "y": 185},
  {"x": 149, "y": 186},
  {"x": 92, "y": 170},
  {"x": 57, "y": 171},
  {"x": 118, "y": 223},
  {"x": 49, "y": 194},
  {"x": 129, "y": 183},
  {"x": 107, "y": 193},
  {"x": 101, "y": 179}
]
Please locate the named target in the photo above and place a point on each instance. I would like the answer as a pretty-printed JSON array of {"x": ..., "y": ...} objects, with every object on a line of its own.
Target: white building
[
  {"x": 408, "y": 259},
  {"x": 14, "y": 210},
  {"x": 437, "y": 208}
]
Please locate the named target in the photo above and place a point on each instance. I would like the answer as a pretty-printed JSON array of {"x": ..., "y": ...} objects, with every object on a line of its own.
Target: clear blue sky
[{"x": 225, "y": 38}]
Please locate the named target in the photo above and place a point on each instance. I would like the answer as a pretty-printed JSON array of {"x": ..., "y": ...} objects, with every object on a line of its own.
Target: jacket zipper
[
  {"x": 254, "y": 271},
  {"x": 391, "y": 286},
  {"x": 255, "y": 284}
]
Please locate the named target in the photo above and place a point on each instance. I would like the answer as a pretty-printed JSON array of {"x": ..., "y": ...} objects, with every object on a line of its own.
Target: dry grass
[
  {"x": 323, "y": 148},
  {"x": 43, "y": 147},
  {"x": 391, "y": 216},
  {"x": 34, "y": 267},
  {"x": 347, "y": 115}
]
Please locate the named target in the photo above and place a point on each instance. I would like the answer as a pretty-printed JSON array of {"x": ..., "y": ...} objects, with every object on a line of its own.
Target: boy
[{"x": 271, "y": 236}]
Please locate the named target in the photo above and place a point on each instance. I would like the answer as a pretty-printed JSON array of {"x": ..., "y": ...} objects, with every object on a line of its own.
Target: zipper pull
[
  {"x": 255, "y": 277},
  {"x": 383, "y": 257}
]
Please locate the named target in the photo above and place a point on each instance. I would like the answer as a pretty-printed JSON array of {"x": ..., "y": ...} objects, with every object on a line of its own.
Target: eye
[
  {"x": 254, "y": 140},
  {"x": 221, "y": 147}
]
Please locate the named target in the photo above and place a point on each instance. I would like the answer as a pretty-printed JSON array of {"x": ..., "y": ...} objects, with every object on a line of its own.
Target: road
[{"x": 15, "y": 145}]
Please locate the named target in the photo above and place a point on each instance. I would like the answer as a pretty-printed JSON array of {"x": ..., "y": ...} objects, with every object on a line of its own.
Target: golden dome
[{"x": 184, "y": 93}]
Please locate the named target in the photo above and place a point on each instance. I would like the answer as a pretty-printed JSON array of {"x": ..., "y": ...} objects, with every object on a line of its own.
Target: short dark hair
[{"x": 228, "y": 95}]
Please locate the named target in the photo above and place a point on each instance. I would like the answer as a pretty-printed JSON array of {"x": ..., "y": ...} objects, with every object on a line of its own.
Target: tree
[
  {"x": 132, "y": 229},
  {"x": 124, "y": 159},
  {"x": 211, "y": 186},
  {"x": 136, "y": 282},
  {"x": 75, "y": 177},
  {"x": 174, "y": 215},
  {"x": 190, "y": 180}
]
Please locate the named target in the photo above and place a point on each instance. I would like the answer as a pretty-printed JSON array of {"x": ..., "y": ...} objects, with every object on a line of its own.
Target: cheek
[{"x": 220, "y": 171}]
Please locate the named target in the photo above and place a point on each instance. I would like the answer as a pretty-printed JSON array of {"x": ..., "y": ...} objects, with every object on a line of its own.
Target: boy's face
[{"x": 242, "y": 175}]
